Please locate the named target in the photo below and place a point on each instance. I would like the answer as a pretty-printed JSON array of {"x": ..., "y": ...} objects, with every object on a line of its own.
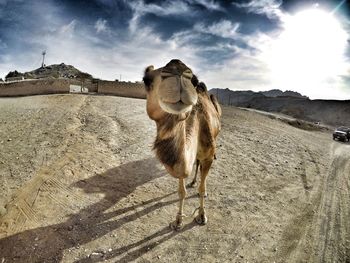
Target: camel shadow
[
  {"x": 166, "y": 233},
  {"x": 47, "y": 243}
]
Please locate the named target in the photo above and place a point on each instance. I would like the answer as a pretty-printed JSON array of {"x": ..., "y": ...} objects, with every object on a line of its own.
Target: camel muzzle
[{"x": 176, "y": 88}]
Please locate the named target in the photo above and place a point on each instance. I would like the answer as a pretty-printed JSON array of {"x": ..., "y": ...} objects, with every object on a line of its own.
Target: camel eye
[{"x": 194, "y": 80}]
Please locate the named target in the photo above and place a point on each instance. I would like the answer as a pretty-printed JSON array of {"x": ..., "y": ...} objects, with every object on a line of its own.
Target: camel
[{"x": 188, "y": 121}]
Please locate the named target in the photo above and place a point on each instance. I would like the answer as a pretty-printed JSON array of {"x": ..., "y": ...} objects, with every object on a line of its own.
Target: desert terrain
[{"x": 79, "y": 183}]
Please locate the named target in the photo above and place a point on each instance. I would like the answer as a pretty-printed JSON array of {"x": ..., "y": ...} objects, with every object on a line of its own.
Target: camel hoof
[
  {"x": 176, "y": 225},
  {"x": 201, "y": 219},
  {"x": 205, "y": 195},
  {"x": 191, "y": 185}
]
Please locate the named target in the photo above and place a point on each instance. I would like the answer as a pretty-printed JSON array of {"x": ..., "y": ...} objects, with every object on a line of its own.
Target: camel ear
[
  {"x": 147, "y": 78},
  {"x": 149, "y": 69}
]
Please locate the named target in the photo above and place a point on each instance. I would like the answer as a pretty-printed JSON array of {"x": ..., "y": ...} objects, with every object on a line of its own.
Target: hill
[
  {"x": 280, "y": 93},
  {"x": 52, "y": 71},
  {"x": 329, "y": 112}
]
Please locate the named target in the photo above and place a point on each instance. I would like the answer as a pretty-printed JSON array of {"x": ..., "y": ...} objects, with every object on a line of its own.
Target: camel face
[{"x": 171, "y": 87}]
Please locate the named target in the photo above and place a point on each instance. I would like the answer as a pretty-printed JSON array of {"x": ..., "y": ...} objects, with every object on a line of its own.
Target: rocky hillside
[
  {"x": 52, "y": 71},
  {"x": 280, "y": 93},
  {"x": 330, "y": 112},
  {"x": 236, "y": 97}
]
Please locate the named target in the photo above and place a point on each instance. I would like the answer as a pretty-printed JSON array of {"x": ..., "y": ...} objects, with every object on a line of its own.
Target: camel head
[{"x": 170, "y": 89}]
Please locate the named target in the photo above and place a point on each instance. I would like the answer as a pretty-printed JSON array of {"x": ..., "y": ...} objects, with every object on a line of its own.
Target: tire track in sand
[
  {"x": 321, "y": 231},
  {"x": 333, "y": 235},
  {"x": 20, "y": 210}
]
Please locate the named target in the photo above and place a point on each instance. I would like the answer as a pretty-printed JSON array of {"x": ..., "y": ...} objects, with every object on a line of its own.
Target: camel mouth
[
  {"x": 175, "y": 108},
  {"x": 176, "y": 93}
]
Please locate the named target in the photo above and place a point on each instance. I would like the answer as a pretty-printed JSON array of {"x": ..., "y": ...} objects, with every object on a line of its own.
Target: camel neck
[{"x": 173, "y": 134}]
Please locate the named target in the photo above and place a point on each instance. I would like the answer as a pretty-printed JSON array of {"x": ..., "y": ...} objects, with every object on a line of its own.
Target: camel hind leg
[
  {"x": 194, "y": 181},
  {"x": 205, "y": 165}
]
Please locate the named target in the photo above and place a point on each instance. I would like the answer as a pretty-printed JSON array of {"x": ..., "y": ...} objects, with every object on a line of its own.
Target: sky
[{"x": 299, "y": 45}]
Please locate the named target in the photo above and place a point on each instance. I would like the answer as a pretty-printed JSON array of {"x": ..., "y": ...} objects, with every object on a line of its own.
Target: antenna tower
[{"x": 43, "y": 54}]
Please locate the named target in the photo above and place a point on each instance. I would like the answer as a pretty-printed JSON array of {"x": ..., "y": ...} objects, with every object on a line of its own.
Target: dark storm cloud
[{"x": 118, "y": 13}]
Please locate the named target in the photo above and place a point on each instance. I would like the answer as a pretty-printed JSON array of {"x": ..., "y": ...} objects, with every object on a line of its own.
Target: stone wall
[
  {"x": 123, "y": 89},
  {"x": 34, "y": 87},
  {"x": 91, "y": 85},
  {"x": 55, "y": 86}
]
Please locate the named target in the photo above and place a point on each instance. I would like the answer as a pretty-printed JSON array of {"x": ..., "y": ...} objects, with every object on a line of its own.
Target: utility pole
[{"x": 43, "y": 54}]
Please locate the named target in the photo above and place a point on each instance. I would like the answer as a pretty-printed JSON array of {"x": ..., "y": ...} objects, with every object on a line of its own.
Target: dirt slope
[{"x": 79, "y": 183}]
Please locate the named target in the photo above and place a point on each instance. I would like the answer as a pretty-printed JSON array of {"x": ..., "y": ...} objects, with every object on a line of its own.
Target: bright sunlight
[{"x": 309, "y": 52}]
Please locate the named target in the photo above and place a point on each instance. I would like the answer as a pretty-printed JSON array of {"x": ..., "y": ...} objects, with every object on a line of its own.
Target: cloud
[
  {"x": 241, "y": 73},
  {"x": 101, "y": 25},
  {"x": 109, "y": 3},
  {"x": 3, "y": 45},
  {"x": 223, "y": 28},
  {"x": 209, "y": 4},
  {"x": 270, "y": 8},
  {"x": 167, "y": 8},
  {"x": 104, "y": 57},
  {"x": 68, "y": 30},
  {"x": 244, "y": 69},
  {"x": 74, "y": 43}
]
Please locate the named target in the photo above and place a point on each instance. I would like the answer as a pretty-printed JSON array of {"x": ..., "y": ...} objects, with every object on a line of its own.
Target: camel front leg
[
  {"x": 201, "y": 218},
  {"x": 178, "y": 223}
]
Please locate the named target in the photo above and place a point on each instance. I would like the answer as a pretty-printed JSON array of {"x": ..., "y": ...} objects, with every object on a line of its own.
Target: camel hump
[{"x": 216, "y": 104}]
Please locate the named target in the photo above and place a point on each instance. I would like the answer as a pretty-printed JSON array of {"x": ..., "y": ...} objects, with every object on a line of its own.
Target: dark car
[{"x": 342, "y": 134}]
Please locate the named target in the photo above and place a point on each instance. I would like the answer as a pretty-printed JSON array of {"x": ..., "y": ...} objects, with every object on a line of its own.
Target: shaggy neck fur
[{"x": 173, "y": 135}]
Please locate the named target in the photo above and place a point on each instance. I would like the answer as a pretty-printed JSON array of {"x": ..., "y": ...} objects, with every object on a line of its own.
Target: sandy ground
[{"x": 79, "y": 183}]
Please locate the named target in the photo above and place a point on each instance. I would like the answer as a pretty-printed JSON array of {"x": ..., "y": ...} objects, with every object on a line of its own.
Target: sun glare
[{"x": 309, "y": 52}]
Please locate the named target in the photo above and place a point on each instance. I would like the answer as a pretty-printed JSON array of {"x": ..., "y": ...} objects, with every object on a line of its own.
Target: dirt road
[{"x": 79, "y": 183}]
